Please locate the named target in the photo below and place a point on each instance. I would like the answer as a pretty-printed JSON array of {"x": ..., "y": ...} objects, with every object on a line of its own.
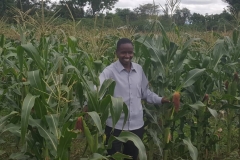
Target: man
[{"x": 132, "y": 86}]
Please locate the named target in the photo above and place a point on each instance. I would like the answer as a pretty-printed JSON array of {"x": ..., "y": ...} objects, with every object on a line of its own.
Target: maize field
[{"x": 47, "y": 79}]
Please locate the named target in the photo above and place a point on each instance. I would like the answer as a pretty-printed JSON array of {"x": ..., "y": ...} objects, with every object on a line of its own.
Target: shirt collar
[{"x": 120, "y": 67}]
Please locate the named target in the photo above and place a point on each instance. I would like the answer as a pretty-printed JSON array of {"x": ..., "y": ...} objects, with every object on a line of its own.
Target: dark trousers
[{"x": 127, "y": 148}]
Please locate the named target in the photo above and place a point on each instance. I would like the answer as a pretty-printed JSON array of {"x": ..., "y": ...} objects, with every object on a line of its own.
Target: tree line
[{"x": 140, "y": 17}]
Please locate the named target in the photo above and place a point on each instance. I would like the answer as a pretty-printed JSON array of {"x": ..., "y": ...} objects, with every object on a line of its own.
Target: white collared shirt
[{"x": 132, "y": 87}]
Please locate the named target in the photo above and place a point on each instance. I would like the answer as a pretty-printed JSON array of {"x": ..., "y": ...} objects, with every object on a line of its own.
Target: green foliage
[
  {"x": 5, "y": 6},
  {"x": 182, "y": 16},
  {"x": 234, "y": 6},
  {"x": 67, "y": 8},
  {"x": 147, "y": 9},
  {"x": 126, "y": 15},
  {"x": 97, "y": 6},
  {"x": 46, "y": 81},
  {"x": 49, "y": 90},
  {"x": 138, "y": 18}
]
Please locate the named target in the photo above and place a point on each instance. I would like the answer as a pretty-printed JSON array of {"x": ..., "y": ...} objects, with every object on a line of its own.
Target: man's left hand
[{"x": 165, "y": 100}]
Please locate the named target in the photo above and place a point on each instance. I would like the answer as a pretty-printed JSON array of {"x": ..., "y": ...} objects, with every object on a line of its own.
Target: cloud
[
  {"x": 122, "y": 4},
  {"x": 132, "y": 3},
  {"x": 197, "y": 2},
  {"x": 210, "y": 6},
  {"x": 195, "y": 6}
]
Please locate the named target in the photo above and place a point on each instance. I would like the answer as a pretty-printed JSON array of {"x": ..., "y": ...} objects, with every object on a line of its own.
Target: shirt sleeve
[
  {"x": 148, "y": 95},
  {"x": 103, "y": 76}
]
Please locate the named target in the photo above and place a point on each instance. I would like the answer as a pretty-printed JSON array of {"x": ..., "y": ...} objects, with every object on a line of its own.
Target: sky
[{"x": 195, "y": 6}]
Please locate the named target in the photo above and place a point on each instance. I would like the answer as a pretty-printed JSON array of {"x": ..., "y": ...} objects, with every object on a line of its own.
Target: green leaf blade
[
  {"x": 27, "y": 106},
  {"x": 192, "y": 149},
  {"x": 34, "y": 54},
  {"x": 192, "y": 77}
]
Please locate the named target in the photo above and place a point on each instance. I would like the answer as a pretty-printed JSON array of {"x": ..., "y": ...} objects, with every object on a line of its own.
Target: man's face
[{"x": 125, "y": 53}]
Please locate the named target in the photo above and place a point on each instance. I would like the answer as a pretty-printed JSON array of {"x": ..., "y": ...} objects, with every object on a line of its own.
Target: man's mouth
[{"x": 127, "y": 59}]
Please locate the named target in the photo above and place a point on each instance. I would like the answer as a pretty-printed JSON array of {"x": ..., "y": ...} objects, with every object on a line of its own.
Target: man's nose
[{"x": 127, "y": 54}]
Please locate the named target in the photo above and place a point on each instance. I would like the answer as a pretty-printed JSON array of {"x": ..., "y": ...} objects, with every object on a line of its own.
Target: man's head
[{"x": 124, "y": 51}]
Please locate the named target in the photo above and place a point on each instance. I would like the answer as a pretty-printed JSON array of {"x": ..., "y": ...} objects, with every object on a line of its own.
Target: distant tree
[
  {"x": 126, "y": 14},
  {"x": 212, "y": 22},
  {"x": 182, "y": 16},
  {"x": 147, "y": 9},
  {"x": 97, "y": 6},
  {"x": 5, "y": 5},
  {"x": 25, "y": 5},
  {"x": 32, "y": 5},
  {"x": 46, "y": 4},
  {"x": 226, "y": 21},
  {"x": 233, "y": 6},
  {"x": 197, "y": 19},
  {"x": 226, "y": 16},
  {"x": 76, "y": 7},
  {"x": 65, "y": 7},
  {"x": 216, "y": 22},
  {"x": 170, "y": 7}
]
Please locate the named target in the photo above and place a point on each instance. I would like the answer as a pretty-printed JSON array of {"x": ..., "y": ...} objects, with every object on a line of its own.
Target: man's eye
[{"x": 125, "y": 52}]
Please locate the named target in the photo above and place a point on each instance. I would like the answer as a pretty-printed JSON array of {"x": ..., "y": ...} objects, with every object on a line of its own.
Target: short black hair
[{"x": 123, "y": 41}]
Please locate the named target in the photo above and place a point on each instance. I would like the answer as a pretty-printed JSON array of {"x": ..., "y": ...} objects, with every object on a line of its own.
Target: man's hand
[
  {"x": 165, "y": 100},
  {"x": 85, "y": 109}
]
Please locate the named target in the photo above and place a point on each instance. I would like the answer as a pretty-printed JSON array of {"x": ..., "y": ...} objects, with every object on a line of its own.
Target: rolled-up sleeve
[{"x": 148, "y": 95}]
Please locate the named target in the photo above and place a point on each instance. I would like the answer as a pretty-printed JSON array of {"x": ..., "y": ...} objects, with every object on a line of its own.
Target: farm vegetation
[{"x": 51, "y": 57}]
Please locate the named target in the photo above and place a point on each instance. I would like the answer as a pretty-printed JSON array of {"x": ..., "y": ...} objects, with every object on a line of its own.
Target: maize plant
[
  {"x": 46, "y": 83},
  {"x": 194, "y": 74}
]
